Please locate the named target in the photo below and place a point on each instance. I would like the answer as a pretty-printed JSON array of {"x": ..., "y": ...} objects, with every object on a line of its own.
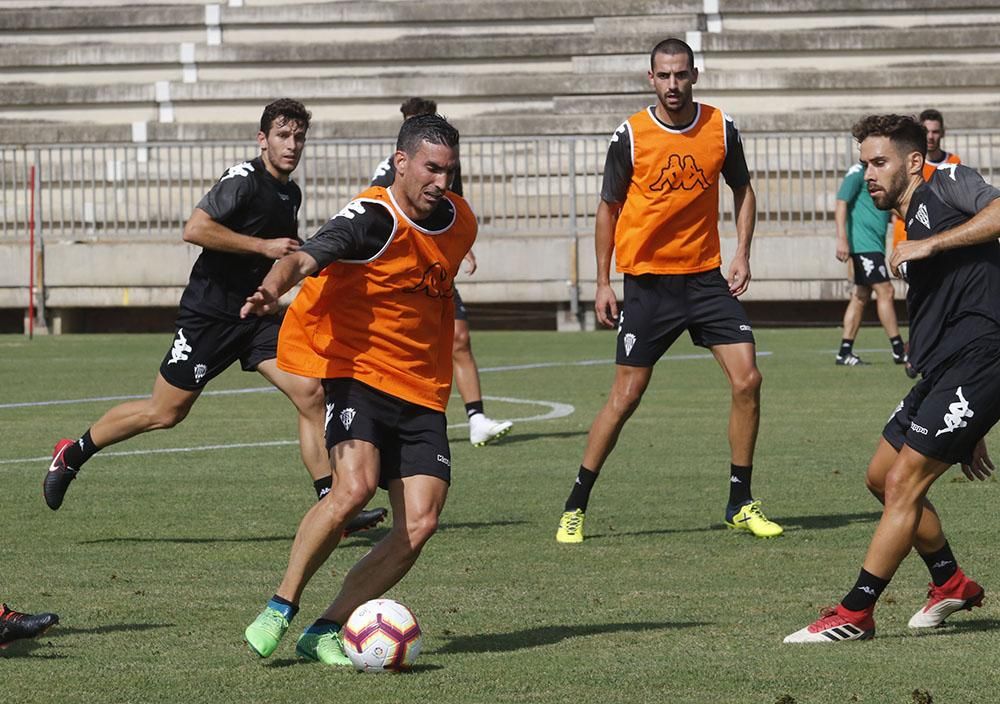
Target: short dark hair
[
  {"x": 933, "y": 115},
  {"x": 425, "y": 128},
  {"x": 291, "y": 110},
  {"x": 671, "y": 46},
  {"x": 418, "y": 106},
  {"x": 902, "y": 130}
]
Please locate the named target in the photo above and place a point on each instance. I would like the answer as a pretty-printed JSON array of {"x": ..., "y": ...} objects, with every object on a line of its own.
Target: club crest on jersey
[
  {"x": 680, "y": 173},
  {"x": 179, "y": 352},
  {"x": 199, "y": 372},
  {"x": 923, "y": 217},
  {"x": 347, "y": 417},
  {"x": 435, "y": 282},
  {"x": 244, "y": 170},
  {"x": 957, "y": 412},
  {"x": 629, "y": 341}
]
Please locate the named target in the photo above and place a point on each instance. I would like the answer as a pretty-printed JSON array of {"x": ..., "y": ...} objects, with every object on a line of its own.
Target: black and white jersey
[
  {"x": 250, "y": 201},
  {"x": 954, "y": 296},
  {"x": 385, "y": 174}
]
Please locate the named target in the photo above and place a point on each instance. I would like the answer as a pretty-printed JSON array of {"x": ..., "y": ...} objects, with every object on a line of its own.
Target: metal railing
[{"x": 531, "y": 185}]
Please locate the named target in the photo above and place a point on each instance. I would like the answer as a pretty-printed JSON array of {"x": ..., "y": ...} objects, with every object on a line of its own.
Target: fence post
[
  {"x": 574, "y": 264},
  {"x": 39, "y": 229}
]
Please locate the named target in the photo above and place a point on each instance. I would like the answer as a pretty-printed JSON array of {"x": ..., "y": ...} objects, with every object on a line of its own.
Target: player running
[
  {"x": 483, "y": 430},
  {"x": 951, "y": 260},
  {"x": 659, "y": 214},
  {"x": 243, "y": 224},
  {"x": 376, "y": 325}
]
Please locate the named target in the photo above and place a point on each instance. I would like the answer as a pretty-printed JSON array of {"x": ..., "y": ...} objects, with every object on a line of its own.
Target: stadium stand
[{"x": 129, "y": 111}]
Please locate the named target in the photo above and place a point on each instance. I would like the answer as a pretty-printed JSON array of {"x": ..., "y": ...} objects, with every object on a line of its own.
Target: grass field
[{"x": 158, "y": 560}]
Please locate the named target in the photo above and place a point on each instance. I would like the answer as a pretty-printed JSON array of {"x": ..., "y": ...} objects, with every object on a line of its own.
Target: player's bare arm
[
  {"x": 981, "y": 228},
  {"x": 286, "y": 272},
  {"x": 746, "y": 219},
  {"x": 605, "y": 301},
  {"x": 840, "y": 218},
  {"x": 205, "y": 232},
  {"x": 470, "y": 263}
]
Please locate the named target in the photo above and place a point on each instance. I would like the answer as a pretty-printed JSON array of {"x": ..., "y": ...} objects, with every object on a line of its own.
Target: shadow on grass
[
  {"x": 516, "y": 437},
  {"x": 30, "y": 647},
  {"x": 549, "y": 635},
  {"x": 109, "y": 628},
  {"x": 793, "y": 523},
  {"x": 367, "y": 536}
]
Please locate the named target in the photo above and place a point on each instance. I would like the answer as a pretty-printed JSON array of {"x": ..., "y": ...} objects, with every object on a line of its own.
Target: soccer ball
[{"x": 381, "y": 635}]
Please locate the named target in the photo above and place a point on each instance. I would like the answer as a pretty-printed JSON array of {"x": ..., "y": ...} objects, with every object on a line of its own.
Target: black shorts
[
  {"x": 948, "y": 412},
  {"x": 411, "y": 439},
  {"x": 460, "y": 312},
  {"x": 657, "y": 308},
  {"x": 205, "y": 347},
  {"x": 869, "y": 268}
]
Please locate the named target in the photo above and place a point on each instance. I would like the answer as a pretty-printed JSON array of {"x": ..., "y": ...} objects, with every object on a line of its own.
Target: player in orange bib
[
  {"x": 659, "y": 215},
  {"x": 375, "y": 323},
  {"x": 933, "y": 122}
]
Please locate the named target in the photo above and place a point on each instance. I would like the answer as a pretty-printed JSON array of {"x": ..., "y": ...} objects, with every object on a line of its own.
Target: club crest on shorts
[
  {"x": 957, "y": 411},
  {"x": 629, "y": 341},
  {"x": 347, "y": 417},
  {"x": 199, "y": 372}
]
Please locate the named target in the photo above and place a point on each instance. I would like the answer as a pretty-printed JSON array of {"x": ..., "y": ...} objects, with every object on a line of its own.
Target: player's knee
[
  {"x": 862, "y": 293},
  {"x": 875, "y": 483},
  {"x": 624, "y": 401},
  {"x": 900, "y": 488},
  {"x": 163, "y": 418},
  {"x": 419, "y": 529},
  {"x": 747, "y": 385},
  {"x": 462, "y": 345}
]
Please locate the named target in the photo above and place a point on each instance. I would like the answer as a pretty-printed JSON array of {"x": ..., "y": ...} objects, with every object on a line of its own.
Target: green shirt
[{"x": 866, "y": 224}]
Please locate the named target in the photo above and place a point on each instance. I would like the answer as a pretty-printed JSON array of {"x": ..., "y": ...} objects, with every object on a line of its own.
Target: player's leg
[
  {"x": 482, "y": 429},
  {"x": 356, "y": 479},
  {"x": 885, "y": 303},
  {"x": 166, "y": 407},
  {"x": 739, "y": 363},
  {"x": 860, "y": 295}
]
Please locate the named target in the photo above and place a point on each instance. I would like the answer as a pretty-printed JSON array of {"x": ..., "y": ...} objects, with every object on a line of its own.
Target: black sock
[
  {"x": 323, "y": 486},
  {"x": 580, "y": 495},
  {"x": 865, "y": 593},
  {"x": 80, "y": 451},
  {"x": 846, "y": 347},
  {"x": 473, "y": 408},
  {"x": 941, "y": 564},
  {"x": 739, "y": 485},
  {"x": 897, "y": 345}
]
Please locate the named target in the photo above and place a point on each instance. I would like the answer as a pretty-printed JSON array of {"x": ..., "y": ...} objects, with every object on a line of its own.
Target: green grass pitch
[{"x": 157, "y": 561}]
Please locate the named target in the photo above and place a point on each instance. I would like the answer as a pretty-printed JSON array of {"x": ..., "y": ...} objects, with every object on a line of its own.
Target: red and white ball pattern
[{"x": 382, "y": 635}]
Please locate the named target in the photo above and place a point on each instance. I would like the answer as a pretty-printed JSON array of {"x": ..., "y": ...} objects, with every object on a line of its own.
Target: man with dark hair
[
  {"x": 659, "y": 215},
  {"x": 374, "y": 321},
  {"x": 951, "y": 260},
  {"x": 15, "y": 625},
  {"x": 482, "y": 429},
  {"x": 243, "y": 224},
  {"x": 861, "y": 230}
]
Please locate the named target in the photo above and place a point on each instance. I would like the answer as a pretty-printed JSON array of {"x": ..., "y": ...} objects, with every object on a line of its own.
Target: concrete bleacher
[{"x": 188, "y": 72}]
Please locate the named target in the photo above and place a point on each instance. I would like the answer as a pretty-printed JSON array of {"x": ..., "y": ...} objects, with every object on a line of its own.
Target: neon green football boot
[
  {"x": 750, "y": 518},
  {"x": 570, "y": 527},
  {"x": 322, "y": 645},
  {"x": 264, "y": 634}
]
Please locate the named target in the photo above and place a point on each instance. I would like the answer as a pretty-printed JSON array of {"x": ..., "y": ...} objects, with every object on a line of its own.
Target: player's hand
[
  {"x": 910, "y": 250},
  {"x": 261, "y": 302},
  {"x": 606, "y": 305},
  {"x": 981, "y": 466},
  {"x": 278, "y": 247},
  {"x": 470, "y": 263},
  {"x": 843, "y": 252},
  {"x": 739, "y": 276}
]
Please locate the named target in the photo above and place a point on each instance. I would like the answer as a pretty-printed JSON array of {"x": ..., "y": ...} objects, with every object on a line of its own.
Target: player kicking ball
[{"x": 952, "y": 263}]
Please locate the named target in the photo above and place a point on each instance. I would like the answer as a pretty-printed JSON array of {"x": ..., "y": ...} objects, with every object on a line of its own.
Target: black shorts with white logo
[
  {"x": 657, "y": 308},
  {"x": 869, "y": 268},
  {"x": 411, "y": 439},
  {"x": 948, "y": 412},
  {"x": 205, "y": 347},
  {"x": 460, "y": 312}
]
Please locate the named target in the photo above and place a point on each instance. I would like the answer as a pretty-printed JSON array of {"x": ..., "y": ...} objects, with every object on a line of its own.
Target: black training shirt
[
  {"x": 954, "y": 296},
  {"x": 250, "y": 201}
]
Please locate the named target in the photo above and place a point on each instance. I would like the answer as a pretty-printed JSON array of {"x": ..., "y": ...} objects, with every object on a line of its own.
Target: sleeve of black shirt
[
  {"x": 618, "y": 166},
  {"x": 734, "y": 168},
  {"x": 229, "y": 195},
  {"x": 359, "y": 232},
  {"x": 963, "y": 188},
  {"x": 385, "y": 173}
]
